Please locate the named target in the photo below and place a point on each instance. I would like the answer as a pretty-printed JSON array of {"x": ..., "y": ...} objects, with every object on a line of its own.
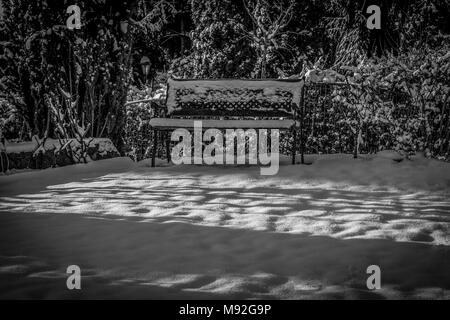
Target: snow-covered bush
[
  {"x": 10, "y": 123},
  {"x": 395, "y": 102},
  {"x": 138, "y": 136},
  {"x": 38, "y": 154},
  {"x": 44, "y": 60},
  {"x": 407, "y": 98}
]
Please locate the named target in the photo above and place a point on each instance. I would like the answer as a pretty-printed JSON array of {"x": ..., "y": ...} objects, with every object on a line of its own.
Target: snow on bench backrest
[{"x": 234, "y": 97}]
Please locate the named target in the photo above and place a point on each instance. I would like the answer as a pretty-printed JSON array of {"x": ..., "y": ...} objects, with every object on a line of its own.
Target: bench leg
[
  {"x": 168, "y": 146},
  {"x": 155, "y": 143},
  {"x": 294, "y": 144}
]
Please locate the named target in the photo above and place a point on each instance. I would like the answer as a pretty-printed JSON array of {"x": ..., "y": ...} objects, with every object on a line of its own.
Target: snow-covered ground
[{"x": 227, "y": 232}]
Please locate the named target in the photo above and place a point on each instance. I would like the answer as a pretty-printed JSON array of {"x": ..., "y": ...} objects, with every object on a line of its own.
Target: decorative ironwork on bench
[{"x": 261, "y": 98}]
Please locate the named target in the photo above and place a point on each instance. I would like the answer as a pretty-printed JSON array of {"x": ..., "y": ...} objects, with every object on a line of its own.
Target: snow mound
[
  {"x": 390, "y": 154},
  {"x": 105, "y": 145}
]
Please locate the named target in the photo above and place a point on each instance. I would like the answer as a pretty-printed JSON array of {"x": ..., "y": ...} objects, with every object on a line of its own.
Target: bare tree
[{"x": 268, "y": 23}]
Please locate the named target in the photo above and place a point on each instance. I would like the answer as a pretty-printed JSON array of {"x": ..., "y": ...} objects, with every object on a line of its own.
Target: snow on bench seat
[{"x": 166, "y": 123}]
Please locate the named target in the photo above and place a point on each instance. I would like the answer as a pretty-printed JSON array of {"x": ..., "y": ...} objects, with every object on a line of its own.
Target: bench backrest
[{"x": 250, "y": 98}]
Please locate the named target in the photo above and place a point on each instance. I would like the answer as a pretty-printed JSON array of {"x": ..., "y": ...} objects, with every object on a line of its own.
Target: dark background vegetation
[{"x": 59, "y": 83}]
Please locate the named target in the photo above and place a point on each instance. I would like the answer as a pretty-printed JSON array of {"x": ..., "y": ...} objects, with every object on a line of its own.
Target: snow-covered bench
[{"x": 230, "y": 104}]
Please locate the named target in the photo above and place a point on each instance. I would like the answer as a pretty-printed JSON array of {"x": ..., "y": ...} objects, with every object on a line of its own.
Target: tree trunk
[{"x": 263, "y": 63}]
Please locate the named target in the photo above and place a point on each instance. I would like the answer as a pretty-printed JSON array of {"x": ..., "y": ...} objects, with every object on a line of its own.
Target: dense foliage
[
  {"x": 73, "y": 83},
  {"x": 64, "y": 84},
  {"x": 393, "y": 102}
]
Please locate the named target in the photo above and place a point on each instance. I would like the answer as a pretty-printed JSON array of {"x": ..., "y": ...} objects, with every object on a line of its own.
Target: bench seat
[{"x": 171, "y": 124}]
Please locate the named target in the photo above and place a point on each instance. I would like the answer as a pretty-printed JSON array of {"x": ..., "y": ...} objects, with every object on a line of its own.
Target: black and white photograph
[{"x": 235, "y": 150}]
